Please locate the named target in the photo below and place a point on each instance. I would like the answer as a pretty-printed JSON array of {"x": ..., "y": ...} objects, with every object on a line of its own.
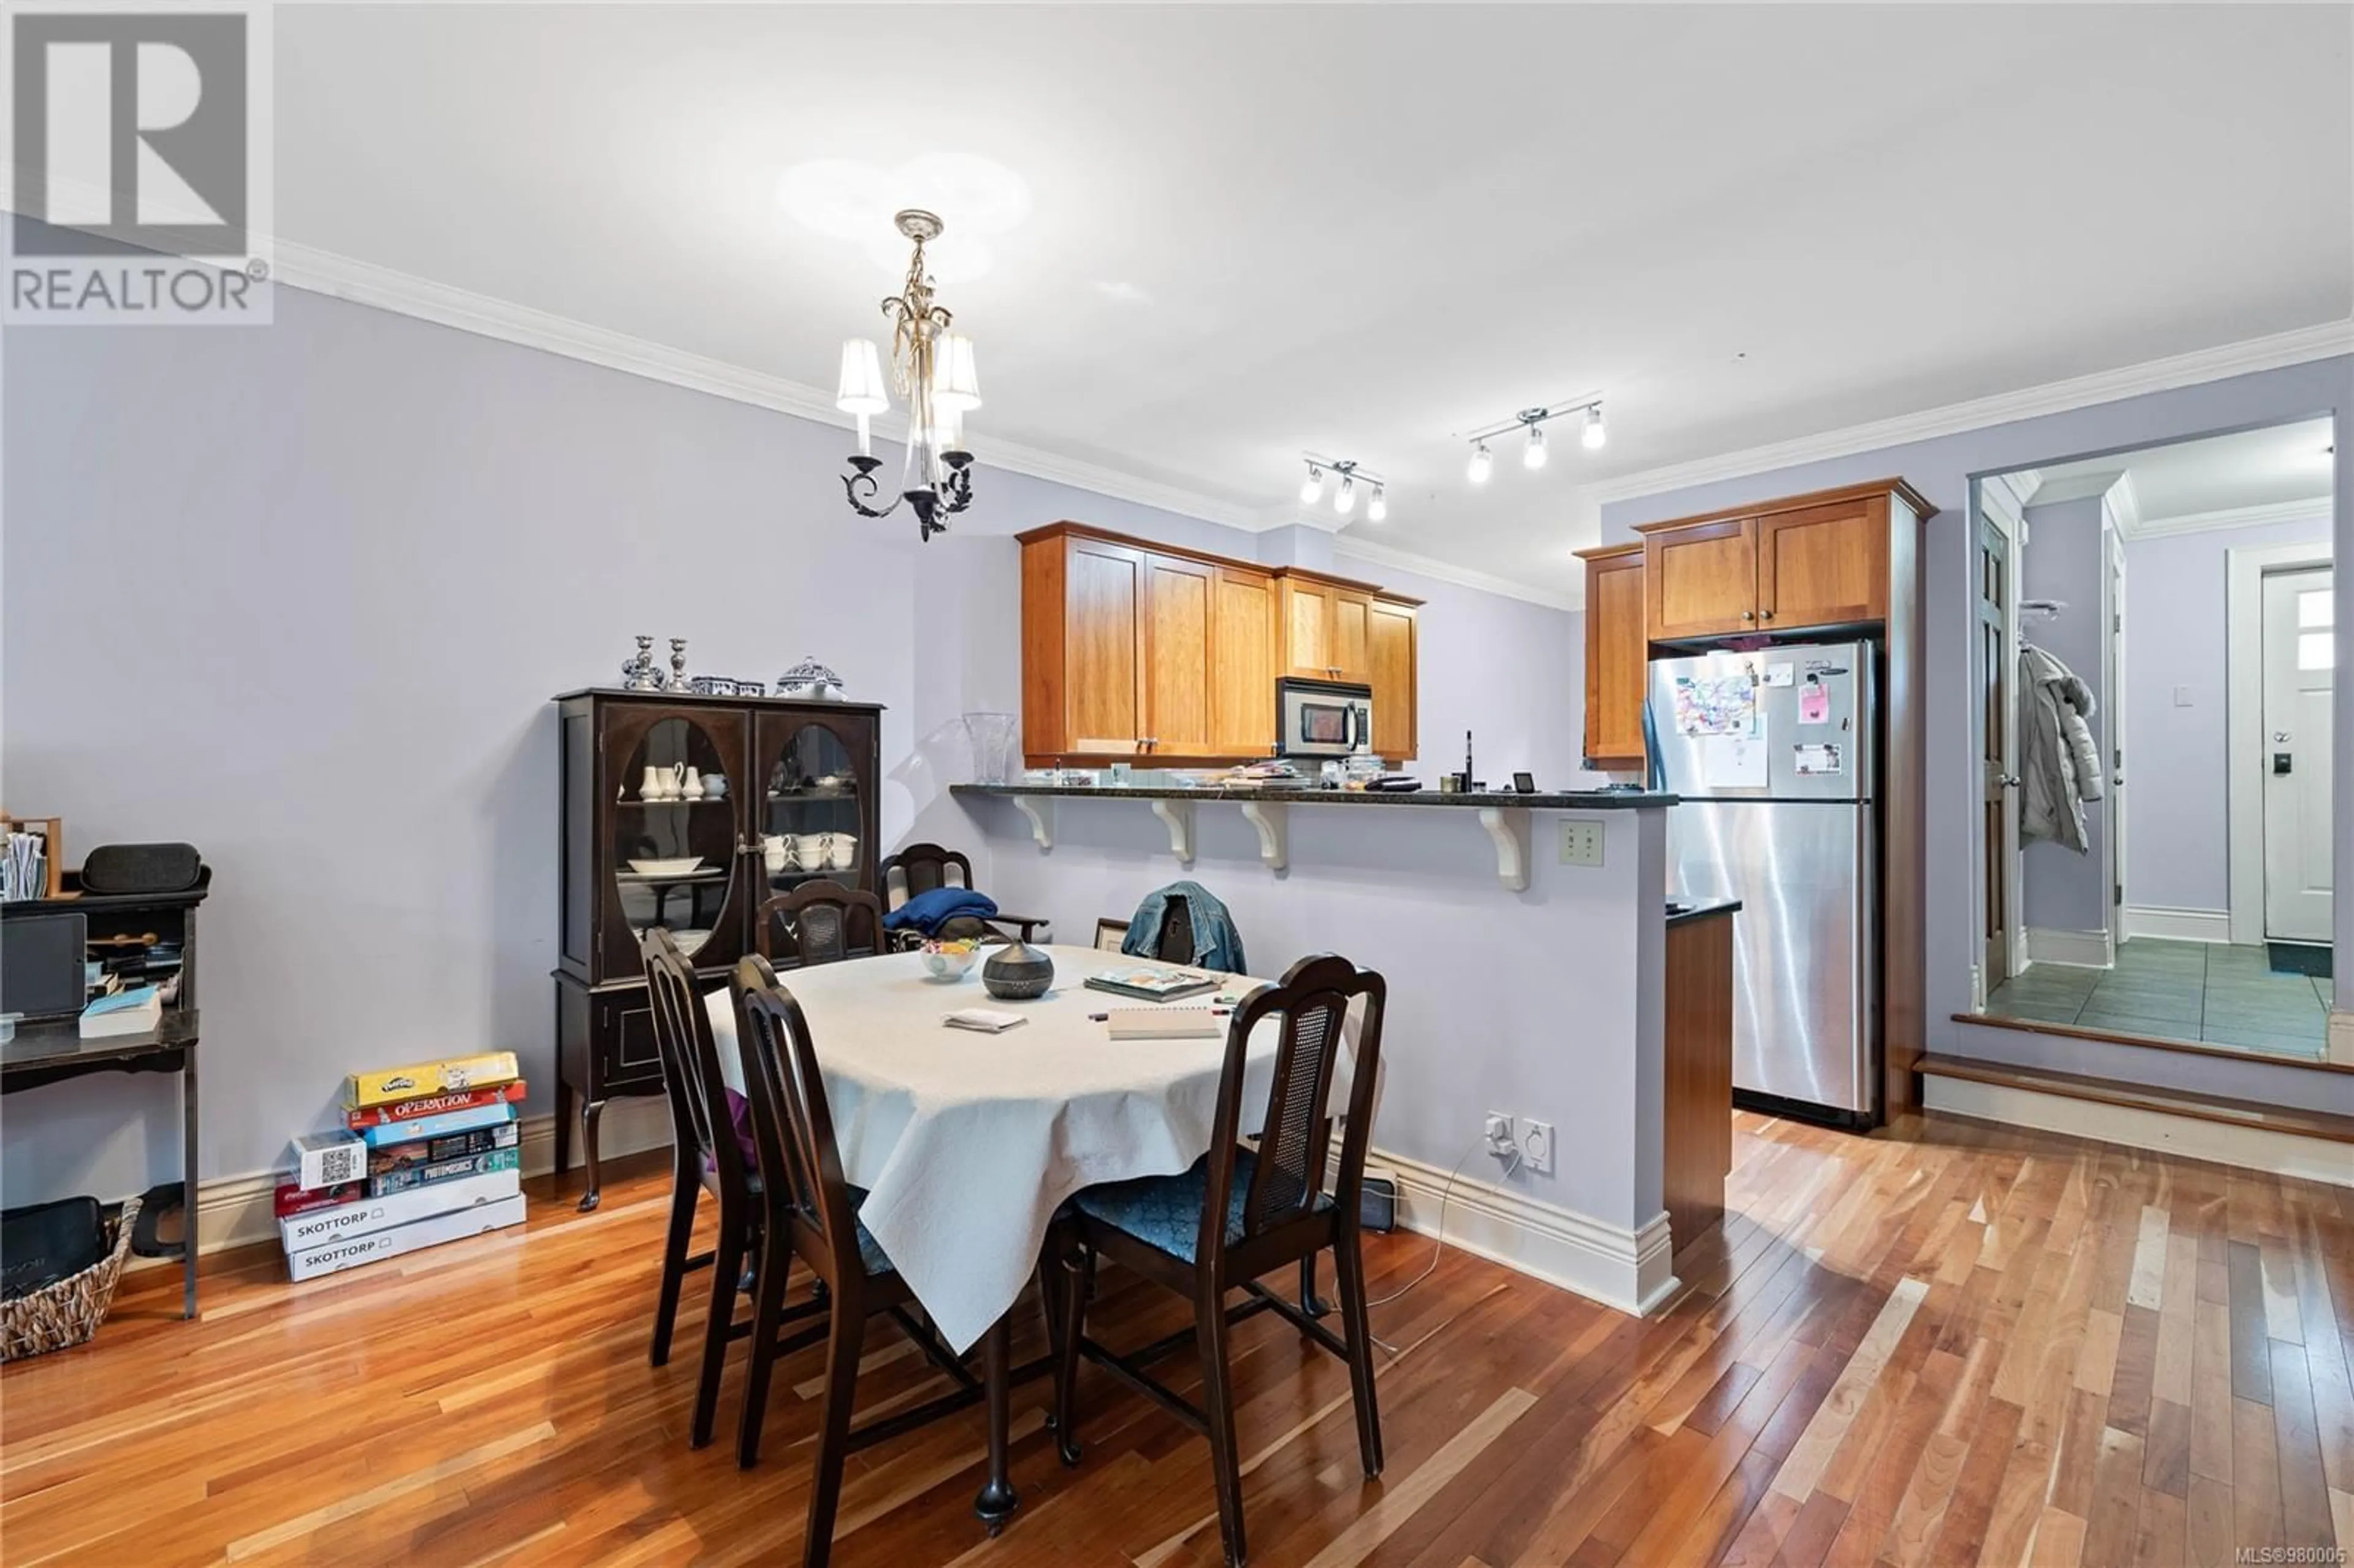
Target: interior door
[
  {"x": 1702, "y": 580},
  {"x": 1998, "y": 745},
  {"x": 2300, "y": 619},
  {"x": 1103, "y": 644},
  {"x": 1177, "y": 655},
  {"x": 1243, "y": 641},
  {"x": 1823, "y": 565},
  {"x": 2116, "y": 687}
]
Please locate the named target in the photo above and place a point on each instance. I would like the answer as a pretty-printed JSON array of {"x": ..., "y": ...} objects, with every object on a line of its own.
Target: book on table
[
  {"x": 132, "y": 1012},
  {"x": 1153, "y": 982}
]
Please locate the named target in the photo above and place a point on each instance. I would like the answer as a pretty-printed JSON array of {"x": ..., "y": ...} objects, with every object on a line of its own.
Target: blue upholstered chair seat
[{"x": 1165, "y": 1212}]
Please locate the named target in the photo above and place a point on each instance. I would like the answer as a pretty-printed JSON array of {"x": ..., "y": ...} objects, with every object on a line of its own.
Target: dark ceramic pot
[{"x": 1018, "y": 972}]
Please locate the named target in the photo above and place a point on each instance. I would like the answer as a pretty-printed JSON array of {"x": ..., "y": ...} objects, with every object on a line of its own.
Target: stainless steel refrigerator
[{"x": 1774, "y": 754}]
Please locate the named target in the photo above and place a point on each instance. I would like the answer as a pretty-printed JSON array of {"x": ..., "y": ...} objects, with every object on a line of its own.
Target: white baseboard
[
  {"x": 1633, "y": 1271},
  {"x": 2341, "y": 1038},
  {"x": 2178, "y": 925},
  {"x": 236, "y": 1211},
  {"x": 2249, "y": 1148},
  {"x": 2078, "y": 949}
]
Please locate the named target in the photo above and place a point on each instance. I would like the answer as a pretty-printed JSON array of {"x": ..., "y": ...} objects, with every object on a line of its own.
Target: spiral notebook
[{"x": 1167, "y": 1023}]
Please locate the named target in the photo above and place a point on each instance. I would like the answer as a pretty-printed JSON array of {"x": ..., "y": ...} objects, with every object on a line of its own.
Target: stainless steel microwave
[{"x": 1322, "y": 719}]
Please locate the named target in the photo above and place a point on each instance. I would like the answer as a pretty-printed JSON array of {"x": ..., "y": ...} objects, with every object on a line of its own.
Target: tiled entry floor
[{"x": 2178, "y": 990}]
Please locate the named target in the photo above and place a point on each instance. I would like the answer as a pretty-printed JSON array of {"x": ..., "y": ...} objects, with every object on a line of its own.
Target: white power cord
[{"x": 1445, "y": 1193}]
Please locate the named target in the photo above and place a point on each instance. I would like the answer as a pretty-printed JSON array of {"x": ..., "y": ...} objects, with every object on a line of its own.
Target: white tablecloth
[{"x": 967, "y": 1143}]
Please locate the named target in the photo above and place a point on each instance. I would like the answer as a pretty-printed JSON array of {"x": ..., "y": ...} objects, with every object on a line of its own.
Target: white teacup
[
  {"x": 773, "y": 853},
  {"x": 841, "y": 850}
]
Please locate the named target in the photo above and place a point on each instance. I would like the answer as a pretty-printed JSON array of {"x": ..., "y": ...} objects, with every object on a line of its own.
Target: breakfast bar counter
[{"x": 1525, "y": 943}]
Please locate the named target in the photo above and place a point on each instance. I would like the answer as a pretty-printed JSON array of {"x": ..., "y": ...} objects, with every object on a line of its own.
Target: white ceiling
[
  {"x": 1255, "y": 230},
  {"x": 2210, "y": 479}
]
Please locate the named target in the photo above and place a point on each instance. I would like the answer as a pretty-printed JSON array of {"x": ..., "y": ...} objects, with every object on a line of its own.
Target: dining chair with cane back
[
  {"x": 925, "y": 868},
  {"x": 1239, "y": 1212},
  {"x": 707, "y": 1156},
  {"x": 820, "y": 923},
  {"x": 810, "y": 1214}
]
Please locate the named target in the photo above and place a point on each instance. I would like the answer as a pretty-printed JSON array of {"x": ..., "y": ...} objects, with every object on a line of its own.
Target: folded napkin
[{"x": 927, "y": 912}]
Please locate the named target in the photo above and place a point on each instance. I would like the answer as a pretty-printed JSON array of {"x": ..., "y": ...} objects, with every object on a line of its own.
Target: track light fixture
[
  {"x": 1533, "y": 421},
  {"x": 1344, "y": 497}
]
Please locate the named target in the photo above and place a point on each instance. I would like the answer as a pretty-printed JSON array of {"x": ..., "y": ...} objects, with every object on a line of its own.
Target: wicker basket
[{"x": 69, "y": 1311}]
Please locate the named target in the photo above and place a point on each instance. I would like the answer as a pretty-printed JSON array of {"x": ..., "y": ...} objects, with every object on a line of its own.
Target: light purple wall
[
  {"x": 2177, "y": 801},
  {"x": 1942, "y": 468},
  {"x": 2065, "y": 560},
  {"x": 299, "y": 595}
]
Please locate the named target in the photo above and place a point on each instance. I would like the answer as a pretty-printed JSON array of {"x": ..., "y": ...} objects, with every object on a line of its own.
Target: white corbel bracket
[
  {"x": 1508, "y": 826},
  {"x": 1040, "y": 810},
  {"x": 1179, "y": 816},
  {"x": 1273, "y": 820}
]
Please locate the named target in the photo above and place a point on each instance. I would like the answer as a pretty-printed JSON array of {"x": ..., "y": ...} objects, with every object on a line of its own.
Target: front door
[{"x": 2300, "y": 621}]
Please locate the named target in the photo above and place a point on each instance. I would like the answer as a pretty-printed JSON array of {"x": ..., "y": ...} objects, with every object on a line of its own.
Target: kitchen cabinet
[
  {"x": 1169, "y": 656},
  {"x": 1617, "y": 651},
  {"x": 1799, "y": 565},
  {"x": 1244, "y": 637},
  {"x": 1175, "y": 657},
  {"x": 1391, "y": 666}
]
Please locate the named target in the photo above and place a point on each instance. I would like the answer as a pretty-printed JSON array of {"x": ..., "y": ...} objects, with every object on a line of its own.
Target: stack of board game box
[{"x": 426, "y": 1153}]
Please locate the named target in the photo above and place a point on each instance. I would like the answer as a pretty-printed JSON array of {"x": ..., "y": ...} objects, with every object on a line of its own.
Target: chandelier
[{"x": 933, "y": 368}]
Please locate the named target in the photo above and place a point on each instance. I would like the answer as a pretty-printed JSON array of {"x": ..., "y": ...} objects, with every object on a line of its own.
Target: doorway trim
[
  {"x": 2244, "y": 619},
  {"x": 2002, "y": 501}
]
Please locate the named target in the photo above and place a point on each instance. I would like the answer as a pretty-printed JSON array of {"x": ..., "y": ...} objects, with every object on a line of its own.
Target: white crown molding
[
  {"x": 2121, "y": 508},
  {"x": 1292, "y": 514},
  {"x": 2314, "y": 509},
  {"x": 403, "y": 293},
  {"x": 1380, "y": 554},
  {"x": 2011, "y": 493},
  {"x": 2298, "y": 347}
]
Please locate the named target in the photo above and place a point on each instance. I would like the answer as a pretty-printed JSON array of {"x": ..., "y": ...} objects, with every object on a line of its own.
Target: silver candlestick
[{"x": 678, "y": 664}]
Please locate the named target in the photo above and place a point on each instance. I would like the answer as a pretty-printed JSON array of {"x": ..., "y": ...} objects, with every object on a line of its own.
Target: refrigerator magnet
[
  {"x": 1814, "y": 702},
  {"x": 1819, "y": 761},
  {"x": 1780, "y": 676}
]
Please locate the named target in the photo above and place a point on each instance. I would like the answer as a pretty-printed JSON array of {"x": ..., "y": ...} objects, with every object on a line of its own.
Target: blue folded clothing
[{"x": 927, "y": 912}]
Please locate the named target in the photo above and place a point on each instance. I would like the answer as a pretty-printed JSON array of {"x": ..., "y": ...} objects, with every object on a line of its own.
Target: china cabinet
[{"x": 686, "y": 812}]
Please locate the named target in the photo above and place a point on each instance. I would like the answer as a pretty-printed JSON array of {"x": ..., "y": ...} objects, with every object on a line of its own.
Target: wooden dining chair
[
  {"x": 707, "y": 1156},
  {"x": 1238, "y": 1214},
  {"x": 810, "y": 1213},
  {"x": 820, "y": 923},
  {"x": 921, "y": 868}
]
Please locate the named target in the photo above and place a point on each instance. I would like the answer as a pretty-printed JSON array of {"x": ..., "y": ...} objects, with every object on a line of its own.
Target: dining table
[{"x": 965, "y": 1144}]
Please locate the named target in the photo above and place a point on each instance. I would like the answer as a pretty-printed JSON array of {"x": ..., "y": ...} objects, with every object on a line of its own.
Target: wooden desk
[
  {"x": 53, "y": 1051},
  {"x": 1699, "y": 1131}
]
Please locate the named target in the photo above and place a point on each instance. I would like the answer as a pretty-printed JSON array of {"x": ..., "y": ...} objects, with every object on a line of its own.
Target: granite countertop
[
  {"x": 1574, "y": 800},
  {"x": 1684, "y": 910}
]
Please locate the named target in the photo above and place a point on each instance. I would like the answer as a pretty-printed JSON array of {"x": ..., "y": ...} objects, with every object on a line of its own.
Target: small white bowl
[
  {"x": 686, "y": 866},
  {"x": 946, "y": 963}
]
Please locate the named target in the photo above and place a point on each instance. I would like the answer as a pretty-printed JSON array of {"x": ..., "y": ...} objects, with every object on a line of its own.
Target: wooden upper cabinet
[
  {"x": 1618, "y": 669},
  {"x": 1823, "y": 565},
  {"x": 1308, "y": 629},
  {"x": 1163, "y": 653},
  {"x": 1351, "y": 629},
  {"x": 1391, "y": 665},
  {"x": 1701, "y": 580},
  {"x": 1244, "y": 640},
  {"x": 1103, "y": 622},
  {"x": 1178, "y": 609}
]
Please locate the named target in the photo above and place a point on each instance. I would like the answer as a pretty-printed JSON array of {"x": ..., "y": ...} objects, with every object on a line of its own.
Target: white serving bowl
[
  {"x": 684, "y": 866},
  {"x": 950, "y": 961}
]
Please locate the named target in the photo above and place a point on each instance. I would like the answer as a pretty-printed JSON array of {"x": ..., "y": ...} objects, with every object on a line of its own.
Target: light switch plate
[
  {"x": 2181, "y": 696},
  {"x": 1581, "y": 841}
]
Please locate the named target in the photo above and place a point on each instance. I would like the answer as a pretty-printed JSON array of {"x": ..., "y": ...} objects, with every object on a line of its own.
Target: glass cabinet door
[
  {"x": 674, "y": 846},
  {"x": 813, "y": 819}
]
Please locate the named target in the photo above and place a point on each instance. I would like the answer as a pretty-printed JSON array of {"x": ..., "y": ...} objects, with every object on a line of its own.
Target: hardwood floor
[{"x": 1948, "y": 1344}]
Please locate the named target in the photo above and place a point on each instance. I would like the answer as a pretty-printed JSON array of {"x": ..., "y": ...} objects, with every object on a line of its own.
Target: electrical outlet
[
  {"x": 2181, "y": 696},
  {"x": 1537, "y": 1146},
  {"x": 1581, "y": 841},
  {"x": 1500, "y": 1135}
]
